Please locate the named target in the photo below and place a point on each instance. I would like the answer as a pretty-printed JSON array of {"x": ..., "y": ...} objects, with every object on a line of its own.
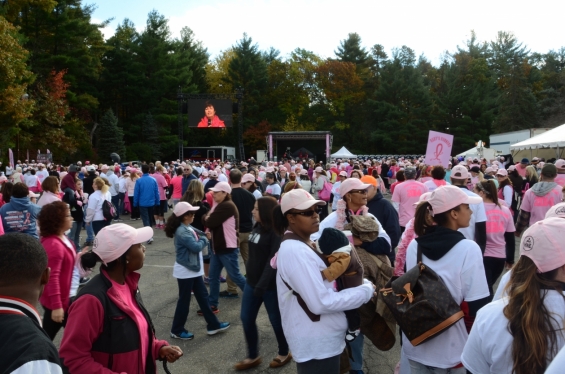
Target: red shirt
[{"x": 61, "y": 260}]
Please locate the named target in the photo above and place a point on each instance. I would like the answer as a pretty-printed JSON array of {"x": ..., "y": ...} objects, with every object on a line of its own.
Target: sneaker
[
  {"x": 150, "y": 241},
  {"x": 223, "y": 326},
  {"x": 83, "y": 281},
  {"x": 215, "y": 310},
  {"x": 222, "y": 279},
  {"x": 229, "y": 295},
  {"x": 206, "y": 280},
  {"x": 132, "y": 219},
  {"x": 118, "y": 220},
  {"x": 185, "y": 335}
]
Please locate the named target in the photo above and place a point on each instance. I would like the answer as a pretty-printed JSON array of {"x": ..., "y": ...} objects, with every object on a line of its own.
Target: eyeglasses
[
  {"x": 362, "y": 192},
  {"x": 307, "y": 213}
]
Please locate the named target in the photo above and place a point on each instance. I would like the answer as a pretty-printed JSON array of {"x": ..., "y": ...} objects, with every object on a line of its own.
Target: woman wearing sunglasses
[
  {"x": 354, "y": 202},
  {"x": 312, "y": 312}
]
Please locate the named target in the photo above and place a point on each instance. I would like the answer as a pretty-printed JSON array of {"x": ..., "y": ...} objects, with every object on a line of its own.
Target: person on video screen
[{"x": 210, "y": 118}]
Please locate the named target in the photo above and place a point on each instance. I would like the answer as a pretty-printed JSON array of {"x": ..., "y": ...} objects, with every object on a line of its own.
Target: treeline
[{"x": 63, "y": 87}]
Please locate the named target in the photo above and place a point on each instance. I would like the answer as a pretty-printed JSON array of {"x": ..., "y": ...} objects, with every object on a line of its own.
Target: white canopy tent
[
  {"x": 553, "y": 139},
  {"x": 343, "y": 153},
  {"x": 479, "y": 151}
]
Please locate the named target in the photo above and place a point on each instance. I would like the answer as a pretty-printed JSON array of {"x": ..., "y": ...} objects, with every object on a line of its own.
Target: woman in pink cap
[
  {"x": 248, "y": 182},
  {"x": 311, "y": 310},
  {"x": 112, "y": 303},
  {"x": 523, "y": 332},
  {"x": 459, "y": 263}
]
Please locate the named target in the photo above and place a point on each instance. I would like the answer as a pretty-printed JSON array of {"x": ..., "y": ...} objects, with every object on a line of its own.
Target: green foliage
[{"x": 110, "y": 137}]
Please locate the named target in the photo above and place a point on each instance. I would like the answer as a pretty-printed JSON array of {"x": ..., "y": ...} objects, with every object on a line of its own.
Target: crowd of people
[{"x": 318, "y": 242}]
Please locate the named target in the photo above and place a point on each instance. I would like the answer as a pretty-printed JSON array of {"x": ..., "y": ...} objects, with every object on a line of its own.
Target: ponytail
[
  {"x": 425, "y": 218},
  {"x": 173, "y": 223},
  {"x": 280, "y": 222},
  {"x": 489, "y": 188},
  {"x": 532, "y": 326}
]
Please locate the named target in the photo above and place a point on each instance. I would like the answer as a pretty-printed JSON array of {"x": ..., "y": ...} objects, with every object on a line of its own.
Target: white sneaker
[{"x": 150, "y": 241}]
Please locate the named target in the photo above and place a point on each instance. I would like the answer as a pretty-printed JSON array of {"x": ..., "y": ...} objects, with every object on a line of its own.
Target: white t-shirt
[
  {"x": 273, "y": 189},
  {"x": 75, "y": 280},
  {"x": 222, "y": 177},
  {"x": 502, "y": 285},
  {"x": 257, "y": 194},
  {"x": 489, "y": 347},
  {"x": 337, "y": 196},
  {"x": 301, "y": 269},
  {"x": 181, "y": 272},
  {"x": 479, "y": 215},
  {"x": 462, "y": 271},
  {"x": 557, "y": 364},
  {"x": 95, "y": 202},
  {"x": 31, "y": 180}
]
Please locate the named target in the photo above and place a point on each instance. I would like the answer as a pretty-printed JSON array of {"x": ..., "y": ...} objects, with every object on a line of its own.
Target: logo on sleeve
[
  {"x": 528, "y": 243},
  {"x": 560, "y": 210}
]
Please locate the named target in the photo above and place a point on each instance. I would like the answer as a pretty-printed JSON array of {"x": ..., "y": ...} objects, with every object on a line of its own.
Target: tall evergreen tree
[
  {"x": 110, "y": 137},
  {"x": 151, "y": 136},
  {"x": 350, "y": 50}
]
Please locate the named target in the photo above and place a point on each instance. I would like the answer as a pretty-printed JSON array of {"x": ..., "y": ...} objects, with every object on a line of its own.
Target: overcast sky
[{"x": 429, "y": 27}]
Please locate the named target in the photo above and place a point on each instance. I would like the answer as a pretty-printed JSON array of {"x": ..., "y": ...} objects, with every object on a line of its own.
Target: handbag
[{"x": 421, "y": 303}]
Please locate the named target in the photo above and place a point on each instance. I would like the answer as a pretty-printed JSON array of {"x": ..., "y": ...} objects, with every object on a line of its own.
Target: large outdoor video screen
[{"x": 210, "y": 113}]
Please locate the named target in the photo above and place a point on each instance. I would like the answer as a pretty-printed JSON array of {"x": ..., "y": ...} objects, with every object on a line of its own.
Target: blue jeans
[
  {"x": 146, "y": 213},
  {"x": 183, "y": 304},
  {"x": 121, "y": 198},
  {"x": 357, "y": 353},
  {"x": 217, "y": 262},
  {"x": 116, "y": 202},
  {"x": 89, "y": 233},
  {"x": 74, "y": 235},
  {"x": 250, "y": 306},
  {"x": 98, "y": 225}
]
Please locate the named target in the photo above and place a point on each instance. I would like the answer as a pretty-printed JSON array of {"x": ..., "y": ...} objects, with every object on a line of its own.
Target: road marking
[{"x": 158, "y": 266}]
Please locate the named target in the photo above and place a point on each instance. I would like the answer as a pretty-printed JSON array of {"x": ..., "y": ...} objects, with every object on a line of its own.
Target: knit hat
[{"x": 333, "y": 240}]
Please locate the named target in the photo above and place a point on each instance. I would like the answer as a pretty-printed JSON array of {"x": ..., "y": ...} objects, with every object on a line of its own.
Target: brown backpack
[{"x": 421, "y": 303}]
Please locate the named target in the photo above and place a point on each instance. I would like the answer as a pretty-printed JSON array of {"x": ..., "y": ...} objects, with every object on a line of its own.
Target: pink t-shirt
[
  {"x": 161, "y": 185},
  {"x": 520, "y": 170},
  {"x": 406, "y": 194},
  {"x": 126, "y": 294},
  {"x": 499, "y": 221},
  {"x": 539, "y": 205},
  {"x": 176, "y": 182},
  {"x": 560, "y": 179}
]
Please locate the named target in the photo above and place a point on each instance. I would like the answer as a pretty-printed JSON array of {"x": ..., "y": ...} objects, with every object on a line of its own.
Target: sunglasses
[
  {"x": 307, "y": 213},
  {"x": 362, "y": 192}
]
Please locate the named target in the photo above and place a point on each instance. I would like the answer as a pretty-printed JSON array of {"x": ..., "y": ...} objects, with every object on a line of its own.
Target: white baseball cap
[{"x": 298, "y": 199}]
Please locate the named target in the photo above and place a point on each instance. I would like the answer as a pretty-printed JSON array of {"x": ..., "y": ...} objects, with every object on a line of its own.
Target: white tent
[
  {"x": 343, "y": 153},
  {"x": 554, "y": 138},
  {"x": 479, "y": 151}
]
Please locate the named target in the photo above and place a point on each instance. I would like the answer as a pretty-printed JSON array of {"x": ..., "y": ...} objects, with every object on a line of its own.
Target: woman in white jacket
[
  {"x": 316, "y": 330},
  {"x": 94, "y": 214}
]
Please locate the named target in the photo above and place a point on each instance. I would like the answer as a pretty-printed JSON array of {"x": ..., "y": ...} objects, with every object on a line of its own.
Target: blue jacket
[
  {"x": 146, "y": 192},
  {"x": 388, "y": 217},
  {"x": 188, "y": 248},
  {"x": 20, "y": 215},
  {"x": 186, "y": 181}
]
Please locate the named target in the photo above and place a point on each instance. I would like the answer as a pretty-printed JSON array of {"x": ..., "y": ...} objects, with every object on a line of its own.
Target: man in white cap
[{"x": 477, "y": 229}]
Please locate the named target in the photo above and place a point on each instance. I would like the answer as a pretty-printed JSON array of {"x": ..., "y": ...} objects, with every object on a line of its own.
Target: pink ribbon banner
[{"x": 439, "y": 148}]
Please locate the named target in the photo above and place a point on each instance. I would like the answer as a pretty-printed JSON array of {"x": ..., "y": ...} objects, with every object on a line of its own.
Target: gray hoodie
[
  {"x": 20, "y": 215},
  {"x": 543, "y": 188}
]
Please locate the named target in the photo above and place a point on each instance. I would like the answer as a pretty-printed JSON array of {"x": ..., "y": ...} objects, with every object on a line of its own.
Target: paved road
[{"x": 218, "y": 353}]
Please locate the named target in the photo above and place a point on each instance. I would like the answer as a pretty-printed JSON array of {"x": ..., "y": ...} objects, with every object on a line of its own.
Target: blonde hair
[{"x": 100, "y": 185}]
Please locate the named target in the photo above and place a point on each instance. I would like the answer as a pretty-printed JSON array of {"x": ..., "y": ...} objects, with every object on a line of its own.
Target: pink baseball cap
[
  {"x": 560, "y": 164},
  {"x": 183, "y": 207},
  {"x": 542, "y": 243},
  {"x": 423, "y": 197},
  {"x": 448, "y": 197},
  {"x": 247, "y": 178},
  {"x": 558, "y": 210},
  {"x": 104, "y": 167},
  {"x": 459, "y": 172},
  {"x": 282, "y": 168},
  {"x": 303, "y": 172},
  {"x": 221, "y": 187},
  {"x": 318, "y": 169},
  {"x": 213, "y": 174},
  {"x": 114, "y": 240},
  {"x": 352, "y": 184},
  {"x": 299, "y": 200},
  {"x": 502, "y": 172},
  {"x": 511, "y": 168},
  {"x": 343, "y": 173}
]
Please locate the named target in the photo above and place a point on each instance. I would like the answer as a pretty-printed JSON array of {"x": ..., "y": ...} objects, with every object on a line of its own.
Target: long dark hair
[
  {"x": 532, "y": 326},
  {"x": 173, "y": 223},
  {"x": 89, "y": 260},
  {"x": 266, "y": 204},
  {"x": 280, "y": 222},
  {"x": 423, "y": 220},
  {"x": 489, "y": 188},
  {"x": 7, "y": 191}
]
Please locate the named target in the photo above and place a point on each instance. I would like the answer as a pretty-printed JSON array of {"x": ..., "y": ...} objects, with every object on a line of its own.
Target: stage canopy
[{"x": 343, "y": 153}]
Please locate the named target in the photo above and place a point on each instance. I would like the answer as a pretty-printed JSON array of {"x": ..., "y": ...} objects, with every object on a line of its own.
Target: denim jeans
[
  {"x": 357, "y": 353},
  {"x": 217, "y": 262},
  {"x": 116, "y": 202},
  {"x": 328, "y": 365},
  {"x": 89, "y": 233},
  {"x": 418, "y": 368},
  {"x": 183, "y": 304},
  {"x": 250, "y": 306},
  {"x": 99, "y": 225},
  {"x": 146, "y": 213},
  {"x": 120, "y": 206},
  {"x": 74, "y": 235}
]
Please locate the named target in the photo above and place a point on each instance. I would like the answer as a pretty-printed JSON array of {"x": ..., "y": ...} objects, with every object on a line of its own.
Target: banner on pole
[
  {"x": 45, "y": 158},
  {"x": 11, "y": 156},
  {"x": 439, "y": 147}
]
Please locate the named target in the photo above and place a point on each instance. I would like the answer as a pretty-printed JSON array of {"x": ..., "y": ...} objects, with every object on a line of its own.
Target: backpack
[
  {"x": 421, "y": 303},
  {"x": 325, "y": 192},
  {"x": 109, "y": 210},
  {"x": 389, "y": 174}
]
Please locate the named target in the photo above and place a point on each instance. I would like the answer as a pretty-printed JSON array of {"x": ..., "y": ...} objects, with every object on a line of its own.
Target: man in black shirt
[
  {"x": 244, "y": 201},
  {"x": 25, "y": 346}
]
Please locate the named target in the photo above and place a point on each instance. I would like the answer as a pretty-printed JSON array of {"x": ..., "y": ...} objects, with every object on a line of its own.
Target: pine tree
[
  {"x": 350, "y": 50},
  {"x": 110, "y": 137},
  {"x": 151, "y": 136}
]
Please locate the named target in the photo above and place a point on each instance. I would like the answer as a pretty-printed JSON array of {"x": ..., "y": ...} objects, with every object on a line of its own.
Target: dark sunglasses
[
  {"x": 307, "y": 213},
  {"x": 363, "y": 192}
]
